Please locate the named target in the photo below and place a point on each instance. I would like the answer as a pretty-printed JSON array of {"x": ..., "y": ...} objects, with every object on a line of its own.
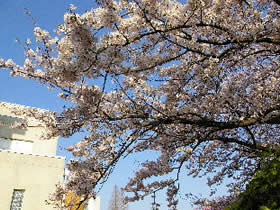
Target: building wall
[
  {"x": 32, "y": 133},
  {"x": 36, "y": 171},
  {"x": 35, "y": 174},
  {"x": 93, "y": 204}
]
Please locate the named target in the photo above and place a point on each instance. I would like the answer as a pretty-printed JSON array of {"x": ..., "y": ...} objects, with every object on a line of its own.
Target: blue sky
[{"x": 16, "y": 24}]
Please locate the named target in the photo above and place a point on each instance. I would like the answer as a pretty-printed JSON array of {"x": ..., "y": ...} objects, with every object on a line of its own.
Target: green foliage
[{"x": 263, "y": 191}]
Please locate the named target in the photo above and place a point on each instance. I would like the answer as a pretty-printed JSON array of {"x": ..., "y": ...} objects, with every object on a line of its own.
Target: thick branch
[{"x": 277, "y": 2}]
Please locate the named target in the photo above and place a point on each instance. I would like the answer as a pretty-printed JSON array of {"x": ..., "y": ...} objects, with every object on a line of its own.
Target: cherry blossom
[{"x": 197, "y": 81}]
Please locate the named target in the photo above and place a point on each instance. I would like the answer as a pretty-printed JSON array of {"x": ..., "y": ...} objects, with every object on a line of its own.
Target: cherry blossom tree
[{"x": 197, "y": 81}]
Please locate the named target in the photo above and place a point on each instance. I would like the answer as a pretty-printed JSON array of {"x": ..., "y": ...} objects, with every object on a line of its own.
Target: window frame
[{"x": 13, "y": 204}]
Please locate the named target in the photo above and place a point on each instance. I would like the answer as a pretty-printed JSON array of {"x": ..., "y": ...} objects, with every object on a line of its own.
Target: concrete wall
[
  {"x": 93, "y": 204},
  {"x": 35, "y": 174},
  {"x": 32, "y": 133}
]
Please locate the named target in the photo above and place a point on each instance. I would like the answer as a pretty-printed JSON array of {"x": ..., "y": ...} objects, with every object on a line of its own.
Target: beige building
[{"x": 29, "y": 166}]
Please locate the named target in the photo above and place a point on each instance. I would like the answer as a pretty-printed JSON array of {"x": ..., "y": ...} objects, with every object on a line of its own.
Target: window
[
  {"x": 16, "y": 145},
  {"x": 17, "y": 200},
  {"x": 8, "y": 120}
]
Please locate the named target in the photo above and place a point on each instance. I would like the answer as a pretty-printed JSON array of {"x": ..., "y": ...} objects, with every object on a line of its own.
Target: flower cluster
[{"x": 197, "y": 82}]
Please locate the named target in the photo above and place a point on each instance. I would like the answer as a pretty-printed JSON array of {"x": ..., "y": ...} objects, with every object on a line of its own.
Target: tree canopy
[
  {"x": 197, "y": 81},
  {"x": 262, "y": 192}
]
